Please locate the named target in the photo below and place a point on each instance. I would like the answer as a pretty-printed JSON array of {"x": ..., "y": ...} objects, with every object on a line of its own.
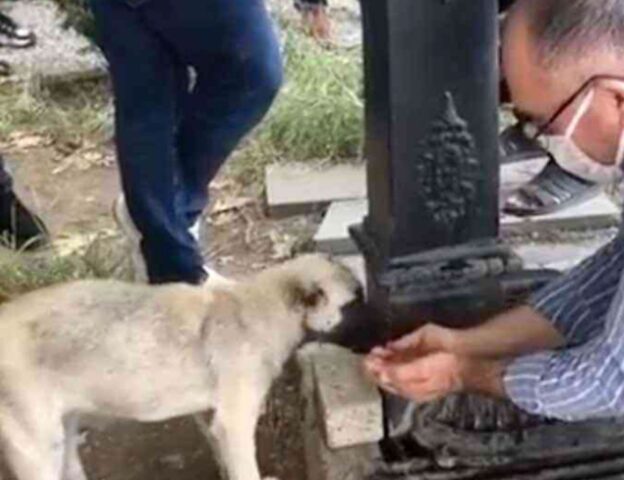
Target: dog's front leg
[
  {"x": 233, "y": 429},
  {"x": 34, "y": 445},
  {"x": 73, "y": 469}
]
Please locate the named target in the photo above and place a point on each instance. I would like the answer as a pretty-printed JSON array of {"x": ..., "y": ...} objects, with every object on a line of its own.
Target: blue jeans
[{"x": 172, "y": 137}]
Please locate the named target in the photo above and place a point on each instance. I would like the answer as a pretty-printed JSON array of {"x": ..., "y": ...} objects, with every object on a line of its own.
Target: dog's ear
[{"x": 306, "y": 296}]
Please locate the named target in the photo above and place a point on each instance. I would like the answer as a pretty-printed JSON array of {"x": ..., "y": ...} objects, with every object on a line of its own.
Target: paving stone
[
  {"x": 333, "y": 234},
  {"x": 349, "y": 404},
  {"x": 356, "y": 265},
  {"x": 300, "y": 188},
  {"x": 323, "y": 462},
  {"x": 558, "y": 256},
  {"x": 595, "y": 213},
  {"x": 599, "y": 212},
  {"x": 297, "y": 188},
  {"x": 60, "y": 53}
]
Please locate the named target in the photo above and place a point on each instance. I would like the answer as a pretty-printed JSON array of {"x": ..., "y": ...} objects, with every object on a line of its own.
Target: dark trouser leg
[
  {"x": 232, "y": 46},
  {"x": 19, "y": 227},
  {"x": 143, "y": 70}
]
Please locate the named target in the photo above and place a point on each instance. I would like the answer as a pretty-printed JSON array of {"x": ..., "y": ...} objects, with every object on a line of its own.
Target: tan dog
[{"x": 149, "y": 353}]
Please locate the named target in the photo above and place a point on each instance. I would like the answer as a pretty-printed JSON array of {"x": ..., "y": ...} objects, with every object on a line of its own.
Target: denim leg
[
  {"x": 143, "y": 70},
  {"x": 233, "y": 48}
]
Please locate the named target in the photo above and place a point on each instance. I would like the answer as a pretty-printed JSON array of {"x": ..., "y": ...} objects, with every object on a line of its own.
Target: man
[
  {"x": 20, "y": 229},
  {"x": 173, "y": 134},
  {"x": 562, "y": 355}
]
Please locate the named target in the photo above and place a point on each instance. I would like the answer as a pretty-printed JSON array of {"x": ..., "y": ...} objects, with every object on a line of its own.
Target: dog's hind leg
[
  {"x": 73, "y": 469},
  {"x": 34, "y": 445},
  {"x": 234, "y": 427}
]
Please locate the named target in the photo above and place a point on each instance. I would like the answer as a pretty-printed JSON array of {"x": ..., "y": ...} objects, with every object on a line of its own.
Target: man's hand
[
  {"x": 428, "y": 339},
  {"x": 436, "y": 375},
  {"x": 421, "y": 379}
]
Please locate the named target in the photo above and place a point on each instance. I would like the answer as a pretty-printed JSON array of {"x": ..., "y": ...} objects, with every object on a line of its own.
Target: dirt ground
[{"x": 75, "y": 199}]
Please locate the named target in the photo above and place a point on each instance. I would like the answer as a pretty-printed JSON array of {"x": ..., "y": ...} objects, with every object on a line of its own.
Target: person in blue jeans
[{"x": 174, "y": 132}]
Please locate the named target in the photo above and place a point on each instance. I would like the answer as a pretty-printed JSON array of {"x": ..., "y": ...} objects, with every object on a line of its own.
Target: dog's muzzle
[{"x": 361, "y": 328}]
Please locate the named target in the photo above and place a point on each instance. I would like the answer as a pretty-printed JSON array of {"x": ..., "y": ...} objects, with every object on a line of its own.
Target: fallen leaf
[{"x": 237, "y": 203}]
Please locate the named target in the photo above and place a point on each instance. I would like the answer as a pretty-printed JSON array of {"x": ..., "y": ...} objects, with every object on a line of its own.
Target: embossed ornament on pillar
[{"x": 448, "y": 170}]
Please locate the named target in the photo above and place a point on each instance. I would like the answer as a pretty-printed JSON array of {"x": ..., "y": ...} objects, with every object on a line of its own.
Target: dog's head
[{"x": 332, "y": 302}]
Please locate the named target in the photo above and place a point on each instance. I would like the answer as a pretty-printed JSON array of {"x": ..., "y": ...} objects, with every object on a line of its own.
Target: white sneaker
[
  {"x": 133, "y": 235},
  {"x": 195, "y": 230},
  {"x": 215, "y": 279}
]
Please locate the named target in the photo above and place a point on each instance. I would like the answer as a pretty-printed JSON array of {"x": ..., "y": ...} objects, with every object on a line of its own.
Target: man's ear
[{"x": 306, "y": 296}]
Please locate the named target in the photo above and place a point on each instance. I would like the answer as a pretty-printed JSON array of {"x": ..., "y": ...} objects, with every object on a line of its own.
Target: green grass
[
  {"x": 318, "y": 114},
  {"x": 22, "y": 272},
  {"x": 65, "y": 113}
]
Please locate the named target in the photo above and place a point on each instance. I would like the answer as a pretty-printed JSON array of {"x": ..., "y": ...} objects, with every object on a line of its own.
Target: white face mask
[{"x": 571, "y": 158}]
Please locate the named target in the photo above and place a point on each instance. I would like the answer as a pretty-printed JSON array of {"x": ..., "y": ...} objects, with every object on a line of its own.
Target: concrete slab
[
  {"x": 333, "y": 234},
  {"x": 595, "y": 213},
  {"x": 298, "y": 188},
  {"x": 60, "y": 54},
  {"x": 356, "y": 265},
  {"x": 322, "y": 462},
  {"x": 302, "y": 187},
  {"x": 558, "y": 256},
  {"x": 599, "y": 212},
  {"x": 349, "y": 404}
]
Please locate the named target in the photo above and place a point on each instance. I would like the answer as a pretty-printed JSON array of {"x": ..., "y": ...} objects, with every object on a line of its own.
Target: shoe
[
  {"x": 133, "y": 235},
  {"x": 515, "y": 146},
  {"x": 14, "y": 36},
  {"x": 215, "y": 279},
  {"x": 5, "y": 69},
  {"x": 552, "y": 190},
  {"x": 20, "y": 229}
]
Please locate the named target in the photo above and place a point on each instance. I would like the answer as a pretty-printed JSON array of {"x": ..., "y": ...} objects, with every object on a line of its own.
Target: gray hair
[{"x": 569, "y": 30}]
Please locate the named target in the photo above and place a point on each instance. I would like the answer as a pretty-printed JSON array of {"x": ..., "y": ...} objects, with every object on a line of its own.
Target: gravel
[{"x": 59, "y": 52}]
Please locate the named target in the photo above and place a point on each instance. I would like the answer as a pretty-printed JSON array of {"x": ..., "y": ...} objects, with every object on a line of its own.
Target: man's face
[{"x": 537, "y": 93}]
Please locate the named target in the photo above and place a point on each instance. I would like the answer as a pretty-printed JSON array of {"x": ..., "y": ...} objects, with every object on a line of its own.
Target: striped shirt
[{"x": 586, "y": 379}]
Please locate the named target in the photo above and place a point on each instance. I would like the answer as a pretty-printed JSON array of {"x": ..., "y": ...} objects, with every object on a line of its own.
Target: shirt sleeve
[
  {"x": 574, "y": 384},
  {"x": 577, "y": 302}
]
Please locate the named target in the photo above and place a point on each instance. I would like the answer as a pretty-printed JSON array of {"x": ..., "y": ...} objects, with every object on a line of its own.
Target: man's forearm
[
  {"x": 484, "y": 376},
  {"x": 518, "y": 332}
]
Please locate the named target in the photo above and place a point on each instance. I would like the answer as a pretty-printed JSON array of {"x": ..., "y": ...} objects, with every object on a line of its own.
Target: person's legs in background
[
  {"x": 20, "y": 229},
  {"x": 171, "y": 142},
  {"x": 238, "y": 73},
  {"x": 143, "y": 71},
  {"x": 315, "y": 18}
]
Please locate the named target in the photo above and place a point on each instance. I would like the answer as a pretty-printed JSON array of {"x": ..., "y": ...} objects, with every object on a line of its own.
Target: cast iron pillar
[
  {"x": 431, "y": 86},
  {"x": 431, "y": 240}
]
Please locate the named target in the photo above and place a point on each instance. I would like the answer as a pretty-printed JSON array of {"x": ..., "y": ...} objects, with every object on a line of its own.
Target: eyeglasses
[{"x": 534, "y": 131}]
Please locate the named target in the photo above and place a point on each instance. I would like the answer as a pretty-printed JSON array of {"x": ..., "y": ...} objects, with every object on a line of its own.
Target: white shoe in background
[{"x": 132, "y": 234}]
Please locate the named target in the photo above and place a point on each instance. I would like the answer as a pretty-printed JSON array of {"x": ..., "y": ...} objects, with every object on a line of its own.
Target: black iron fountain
[{"x": 431, "y": 241}]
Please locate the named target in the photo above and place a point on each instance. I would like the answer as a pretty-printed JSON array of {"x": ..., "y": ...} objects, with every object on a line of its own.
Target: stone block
[
  {"x": 323, "y": 462},
  {"x": 297, "y": 188},
  {"x": 333, "y": 234},
  {"x": 595, "y": 213}
]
